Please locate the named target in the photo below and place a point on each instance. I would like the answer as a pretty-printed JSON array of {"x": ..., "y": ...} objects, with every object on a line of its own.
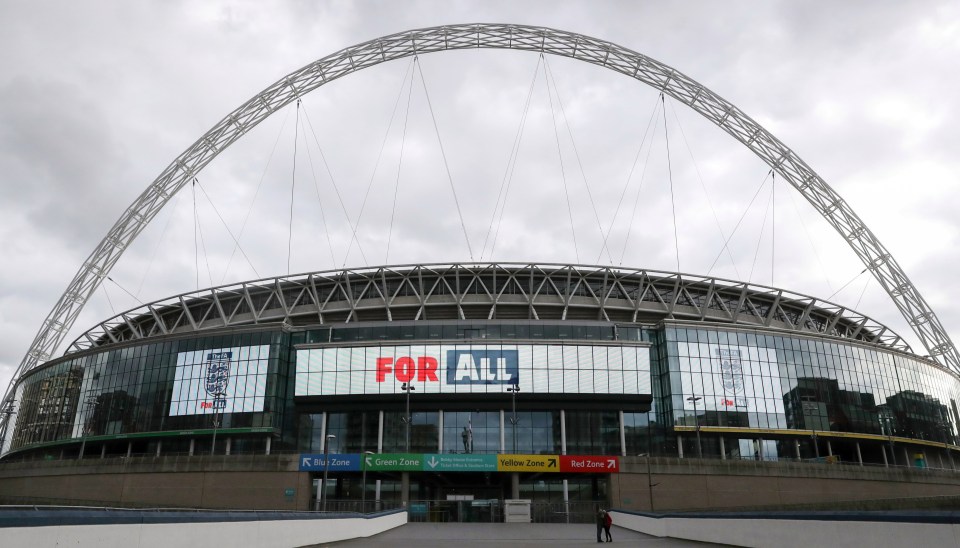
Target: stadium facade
[
  {"x": 498, "y": 359},
  {"x": 485, "y": 380}
]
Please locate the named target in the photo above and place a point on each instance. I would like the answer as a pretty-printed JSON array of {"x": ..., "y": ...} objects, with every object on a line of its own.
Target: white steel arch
[{"x": 490, "y": 36}]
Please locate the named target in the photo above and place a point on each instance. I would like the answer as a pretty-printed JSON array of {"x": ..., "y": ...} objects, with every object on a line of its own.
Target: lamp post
[
  {"x": 696, "y": 418},
  {"x": 407, "y": 387},
  {"x": 216, "y": 426},
  {"x": 326, "y": 469},
  {"x": 649, "y": 454},
  {"x": 363, "y": 489},
  {"x": 514, "y": 420}
]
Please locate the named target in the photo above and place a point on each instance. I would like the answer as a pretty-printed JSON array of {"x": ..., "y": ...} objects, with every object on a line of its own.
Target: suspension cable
[
  {"x": 236, "y": 241},
  {"x": 844, "y": 286},
  {"x": 745, "y": 211},
  {"x": 124, "y": 290},
  {"x": 703, "y": 186},
  {"x": 256, "y": 193},
  {"x": 576, "y": 153},
  {"x": 396, "y": 186},
  {"x": 813, "y": 246},
  {"x": 563, "y": 175},
  {"x": 626, "y": 184},
  {"x": 156, "y": 248},
  {"x": 203, "y": 243},
  {"x": 196, "y": 250},
  {"x": 316, "y": 186},
  {"x": 673, "y": 205},
  {"x": 354, "y": 228},
  {"x": 763, "y": 228},
  {"x": 643, "y": 175},
  {"x": 419, "y": 66},
  {"x": 293, "y": 184},
  {"x": 773, "y": 224},
  {"x": 507, "y": 179}
]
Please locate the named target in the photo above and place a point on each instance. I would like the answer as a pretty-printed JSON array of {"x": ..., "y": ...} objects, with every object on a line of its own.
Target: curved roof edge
[{"x": 491, "y": 291}]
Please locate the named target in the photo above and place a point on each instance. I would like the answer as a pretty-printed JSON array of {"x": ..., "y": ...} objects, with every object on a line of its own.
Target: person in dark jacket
[
  {"x": 607, "y": 522},
  {"x": 601, "y": 520}
]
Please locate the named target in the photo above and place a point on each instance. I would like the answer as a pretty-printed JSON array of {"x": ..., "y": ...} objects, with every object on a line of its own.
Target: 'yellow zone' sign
[{"x": 528, "y": 463}]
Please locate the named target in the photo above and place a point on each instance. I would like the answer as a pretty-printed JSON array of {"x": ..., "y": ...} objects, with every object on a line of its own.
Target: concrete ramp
[{"x": 504, "y": 535}]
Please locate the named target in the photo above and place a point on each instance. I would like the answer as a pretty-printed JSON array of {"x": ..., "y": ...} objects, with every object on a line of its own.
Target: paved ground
[{"x": 506, "y": 535}]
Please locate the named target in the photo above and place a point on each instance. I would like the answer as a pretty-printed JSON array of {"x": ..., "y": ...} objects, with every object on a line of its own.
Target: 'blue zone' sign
[{"x": 348, "y": 462}]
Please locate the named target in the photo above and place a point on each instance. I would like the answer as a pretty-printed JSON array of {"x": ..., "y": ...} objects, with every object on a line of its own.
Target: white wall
[
  {"x": 794, "y": 533},
  {"x": 262, "y": 534}
]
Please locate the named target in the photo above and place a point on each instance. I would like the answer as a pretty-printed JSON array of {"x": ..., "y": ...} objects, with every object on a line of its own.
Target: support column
[
  {"x": 380, "y": 436},
  {"x": 227, "y": 448},
  {"x": 886, "y": 463},
  {"x": 129, "y": 449},
  {"x": 193, "y": 444},
  {"x": 563, "y": 433},
  {"x": 829, "y": 449},
  {"x": 503, "y": 443},
  {"x": 405, "y": 489},
  {"x": 323, "y": 431},
  {"x": 159, "y": 446},
  {"x": 269, "y": 443},
  {"x": 515, "y": 485},
  {"x": 723, "y": 449},
  {"x": 440, "y": 433},
  {"x": 796, "y": 448},
  {"x": 623, "y": 436},
  {"x": 566, "y": 500},
  {"x": 906, "y": 456},
  {"x": 680, "y": 446},
  {"x": 859, "y": 455}
]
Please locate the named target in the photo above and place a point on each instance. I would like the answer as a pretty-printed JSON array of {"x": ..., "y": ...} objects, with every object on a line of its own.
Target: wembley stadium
[{"x": 426, "y": 385}]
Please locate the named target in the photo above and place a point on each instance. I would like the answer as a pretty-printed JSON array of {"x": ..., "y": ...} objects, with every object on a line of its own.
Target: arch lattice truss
[{"x": 493, "y": 36}]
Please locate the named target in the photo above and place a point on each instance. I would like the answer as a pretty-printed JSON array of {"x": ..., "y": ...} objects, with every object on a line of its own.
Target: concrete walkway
[{"x": 503, "y": 535}]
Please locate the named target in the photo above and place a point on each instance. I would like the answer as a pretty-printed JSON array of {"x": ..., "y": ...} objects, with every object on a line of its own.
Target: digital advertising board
[
  {"x": 473, "y": 369},
  {"x": 221, "y": 380}
]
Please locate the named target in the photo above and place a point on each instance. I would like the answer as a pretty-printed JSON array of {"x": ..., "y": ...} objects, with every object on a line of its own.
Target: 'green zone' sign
[{"x": 393, "y": 462}]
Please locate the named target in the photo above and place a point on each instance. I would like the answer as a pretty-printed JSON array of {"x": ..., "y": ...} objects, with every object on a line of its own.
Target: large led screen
[
  {"x": 222, "y": 380},
  {"x": 452, "y": 369}
]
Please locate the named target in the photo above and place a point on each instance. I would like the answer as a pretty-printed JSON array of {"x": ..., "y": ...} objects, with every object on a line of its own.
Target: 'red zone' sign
[{"x": 581, "y": 464}]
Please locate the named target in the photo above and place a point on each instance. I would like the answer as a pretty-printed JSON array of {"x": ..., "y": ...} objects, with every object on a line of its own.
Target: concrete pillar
[
  {"x": 829, "y": 448},
  {"x": 886, "y": 463},
  {"x": 193, "y": 444},
  {"x": 227, "y": 449},
  {"x": 566, "y": 500},
  {"x": 723, "y": 449},
  {"x": 906, "y": 457},
  {"x": 103, "y": 453},
  {"x": 515, "y": 485},
  {"x": 323, "y": 430},
  {"x": 623, "y": 436},
  {"x": 380, "y": 437},
  {"x": 129, "y": 449},
  {"x": 940, "y": 456},
  {"x": 159, "y": 446},
  {"x": 269, "y": 443},
  {"x": 680, "y": 445},
  {"x": 405, "y": 489},
  {"x": 440, "y": 431},
  {"x": 859, "y": 455},
  {"x": 563, "y": 432},
  {"x": 796, "y": 448}
]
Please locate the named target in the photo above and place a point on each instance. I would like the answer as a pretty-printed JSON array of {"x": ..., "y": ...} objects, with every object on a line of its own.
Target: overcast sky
[{"x": 97, "y": 98}]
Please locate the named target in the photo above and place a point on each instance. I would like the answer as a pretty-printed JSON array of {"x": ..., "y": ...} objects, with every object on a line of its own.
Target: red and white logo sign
[{"x": 581, "y": 464}]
